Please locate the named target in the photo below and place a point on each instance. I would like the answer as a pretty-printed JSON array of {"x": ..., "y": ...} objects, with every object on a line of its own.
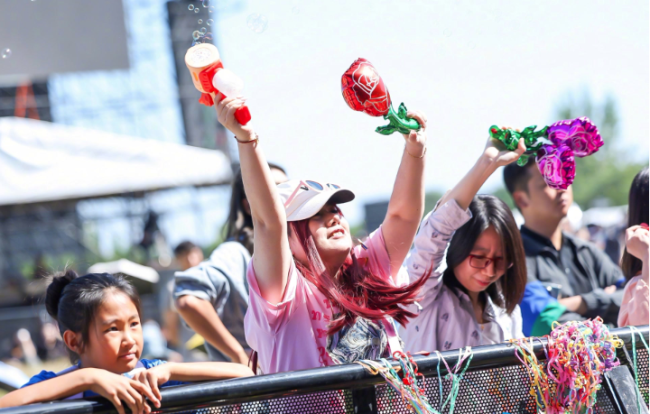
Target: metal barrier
[{"x": 494, "y": 383}]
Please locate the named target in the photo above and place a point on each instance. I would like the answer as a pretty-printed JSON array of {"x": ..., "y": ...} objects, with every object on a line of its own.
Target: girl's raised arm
[
  {"x": 493, "y": 156},
  {"x": 272, "y": 258},
  {"x": 407, "y": 200}
]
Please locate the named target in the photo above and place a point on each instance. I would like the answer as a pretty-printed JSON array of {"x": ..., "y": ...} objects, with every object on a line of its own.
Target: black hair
[
  {"x": 72, "y": 300},
  {"x": 488, "y": 210},
  {"x": 239, "y": 226},
  {"x": 516, "y": 178},
  {"x": 637, "y": 214},
  {"x": 184, "y": 248}
]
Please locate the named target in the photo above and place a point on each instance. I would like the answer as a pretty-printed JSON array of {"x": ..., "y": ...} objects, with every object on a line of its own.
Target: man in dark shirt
[{"x": 568, "y": 278}]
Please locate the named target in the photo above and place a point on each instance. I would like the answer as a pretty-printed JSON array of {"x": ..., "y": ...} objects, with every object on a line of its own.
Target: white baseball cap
[{"x": 302, "y": 199}]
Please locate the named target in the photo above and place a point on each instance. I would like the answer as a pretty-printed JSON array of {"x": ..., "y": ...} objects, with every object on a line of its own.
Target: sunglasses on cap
[
  {"x": 318, "y": 186},
  {"x": 307, "y": 185}
]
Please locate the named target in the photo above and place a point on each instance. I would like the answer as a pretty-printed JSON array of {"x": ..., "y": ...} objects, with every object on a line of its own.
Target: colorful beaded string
[
  {"x": 577, "y": 354},
  {"x": 406, "y": 385}
]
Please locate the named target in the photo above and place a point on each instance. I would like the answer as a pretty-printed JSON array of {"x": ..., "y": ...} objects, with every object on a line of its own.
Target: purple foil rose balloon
[
  {"x": 560, "y": 144},
  {"x": 580, "y": 134},
  {"x": 557, "y": 165}
]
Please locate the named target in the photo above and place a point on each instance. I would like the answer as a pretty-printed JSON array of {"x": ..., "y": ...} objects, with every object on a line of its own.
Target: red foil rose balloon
[{"x": 364, "y": 90}]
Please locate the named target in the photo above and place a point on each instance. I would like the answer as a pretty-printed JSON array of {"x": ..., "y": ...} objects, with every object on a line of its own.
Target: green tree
[{"x": 603, "y": 178}]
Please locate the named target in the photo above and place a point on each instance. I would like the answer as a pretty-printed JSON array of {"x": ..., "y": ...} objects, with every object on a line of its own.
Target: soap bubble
[
  {"x": 295, "y": 10},
  {"x": 203, "y": 30},
  {"x": 196, "y": 10},
  {"x": 6, "y": 53},
  {"x": 209, "y": 22},
  {"x": 190, "y": 7},
  {"x": 207, "y": 37},
  {"x": 211, "y": 9},
  {"x": 206, "y": 3},
  {"x": 196, "y": 34},
  {"x": 200, "y": 21},
  {"x": 257, "y": 22}
]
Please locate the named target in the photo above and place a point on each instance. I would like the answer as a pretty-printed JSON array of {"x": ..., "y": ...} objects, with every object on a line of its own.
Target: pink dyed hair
[{"x": 356, "y": 291}]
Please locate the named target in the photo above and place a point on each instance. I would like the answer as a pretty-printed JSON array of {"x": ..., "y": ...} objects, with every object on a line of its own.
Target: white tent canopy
[
  {"x": 128, "y": 268},
  {"x": 42, "y": 161}
]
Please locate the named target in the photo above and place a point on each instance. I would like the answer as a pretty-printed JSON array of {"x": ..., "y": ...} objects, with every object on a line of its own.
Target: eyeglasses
[
  {"x": 482, "y": 262},
  {"x": 309, "y": 184}
]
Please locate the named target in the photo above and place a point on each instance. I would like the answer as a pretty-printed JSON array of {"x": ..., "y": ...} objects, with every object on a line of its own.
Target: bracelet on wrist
[{"x": 241, "y": 141}]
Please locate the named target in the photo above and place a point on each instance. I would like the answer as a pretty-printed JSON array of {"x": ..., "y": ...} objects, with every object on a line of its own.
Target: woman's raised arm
[
  {"x": 272, "y": 258},
  {"x": 493, "y": 156},
  {"x": 407, "y": 200}
]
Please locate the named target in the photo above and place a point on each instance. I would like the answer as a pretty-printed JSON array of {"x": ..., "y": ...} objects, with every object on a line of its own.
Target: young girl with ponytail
[{"x": 99, "y": 319}]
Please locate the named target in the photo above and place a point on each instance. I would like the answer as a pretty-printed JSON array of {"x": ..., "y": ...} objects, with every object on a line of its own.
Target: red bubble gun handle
[{"x": 242, "y": 115}]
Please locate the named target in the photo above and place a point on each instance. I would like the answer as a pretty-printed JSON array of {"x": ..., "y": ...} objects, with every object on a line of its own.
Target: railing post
[
  {"x": 622, "y": 390},
  {"x": 364, "y": 400}
]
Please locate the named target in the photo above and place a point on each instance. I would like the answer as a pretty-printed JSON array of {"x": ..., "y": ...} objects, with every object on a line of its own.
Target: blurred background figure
[
  {"x": 53, "y": 345},
  {"x": 213, "y": 296},
  {"x": 177, "y": 334},
  {"x": 188, "y": 255}
]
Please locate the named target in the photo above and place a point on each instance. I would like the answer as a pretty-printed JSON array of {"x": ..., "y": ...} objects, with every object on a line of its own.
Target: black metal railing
[{"x": 494, "y": 382}]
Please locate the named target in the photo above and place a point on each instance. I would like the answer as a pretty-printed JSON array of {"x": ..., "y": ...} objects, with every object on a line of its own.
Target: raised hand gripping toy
[
  {"x": 210, "y": 78},
  {"x": 364, "y": 91},
  {"x": 555, "y": 146}
]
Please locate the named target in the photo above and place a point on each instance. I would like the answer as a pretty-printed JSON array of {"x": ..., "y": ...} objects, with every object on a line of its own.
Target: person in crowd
[
  {"x": 568, "y": 278},
  {"x": 187, "y": 255},
  {"x": 212, "y": 297},
  {"x": 99, "y": 319},
  {"x": 634, "y": 309},
  {"x": 316, "y": 299},
  {"x": 473, "y": 245}
]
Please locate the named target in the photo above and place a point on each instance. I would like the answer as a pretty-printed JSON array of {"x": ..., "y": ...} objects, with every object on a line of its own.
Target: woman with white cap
[{"x": 316, "y": 299}]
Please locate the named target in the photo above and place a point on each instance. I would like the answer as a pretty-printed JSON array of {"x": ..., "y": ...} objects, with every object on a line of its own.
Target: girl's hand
[
  {"x": 637, "y": 242},
  {"x": 117, "y": 388},
  {"x": 153, "y": 378},
  {"x": 226, "y": 115},
  {"x": 416, "y": 140},
  {"x": 498, "y": 155}
]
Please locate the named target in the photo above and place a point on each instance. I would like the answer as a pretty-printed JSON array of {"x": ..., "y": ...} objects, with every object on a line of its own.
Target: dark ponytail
[
  {"x": 72, "y": 300},
  {"x": 239, "y": 226},
  {"x": 55, "y": 290}
]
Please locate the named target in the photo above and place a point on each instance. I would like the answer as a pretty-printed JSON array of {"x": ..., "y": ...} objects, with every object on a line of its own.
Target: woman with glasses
[
  {"x": 473, "y": 245},
  {"x": 316, "y": 297}
]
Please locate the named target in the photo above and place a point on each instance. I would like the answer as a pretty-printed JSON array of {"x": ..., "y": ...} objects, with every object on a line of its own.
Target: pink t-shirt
[
  {"x": 634, "y": 308},
  {"x": 292, "y": 335}
]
